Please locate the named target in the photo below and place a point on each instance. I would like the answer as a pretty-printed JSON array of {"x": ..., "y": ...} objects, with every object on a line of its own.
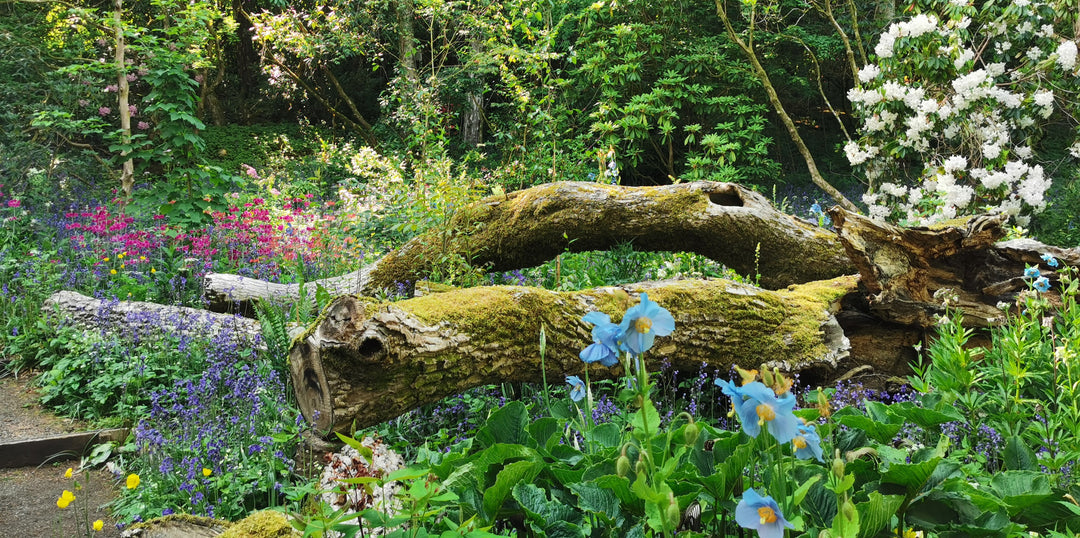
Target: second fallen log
[{"x": 364, "y": 362}]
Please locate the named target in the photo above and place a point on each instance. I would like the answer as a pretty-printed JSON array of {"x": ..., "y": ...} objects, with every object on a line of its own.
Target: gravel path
[{"x": 28, "y": 495}]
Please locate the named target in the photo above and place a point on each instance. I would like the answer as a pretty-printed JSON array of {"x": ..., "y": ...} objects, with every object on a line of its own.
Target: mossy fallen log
[
  {"x": 363, "y": 362},
  {"x": 722, "y": 221}
]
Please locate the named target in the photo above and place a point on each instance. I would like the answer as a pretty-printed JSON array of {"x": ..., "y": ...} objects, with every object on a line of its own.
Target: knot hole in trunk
[
  {"x": 726, "y": 197},
  {"x": 371, "y": 349}
]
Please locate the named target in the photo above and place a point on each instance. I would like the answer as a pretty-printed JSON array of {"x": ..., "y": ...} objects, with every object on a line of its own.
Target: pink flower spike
[{"x": 14, "y": 203}]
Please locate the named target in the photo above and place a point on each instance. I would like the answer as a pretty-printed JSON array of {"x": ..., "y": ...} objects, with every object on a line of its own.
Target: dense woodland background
[{"x": 511, "y": 93}]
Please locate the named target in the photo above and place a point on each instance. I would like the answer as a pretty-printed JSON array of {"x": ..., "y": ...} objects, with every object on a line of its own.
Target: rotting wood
[
  {"x": 364, "y": 362},
  {"x": 722, "y": 221},
  {"x": 903, "y": 268}
]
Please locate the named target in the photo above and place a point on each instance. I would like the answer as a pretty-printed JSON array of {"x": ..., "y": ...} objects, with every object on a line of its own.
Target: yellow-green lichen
[{"x": 263, "y": 524}]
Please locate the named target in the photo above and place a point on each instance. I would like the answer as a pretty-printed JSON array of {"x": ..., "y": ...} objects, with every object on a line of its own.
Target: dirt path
[{"x": 28, "y": 495}]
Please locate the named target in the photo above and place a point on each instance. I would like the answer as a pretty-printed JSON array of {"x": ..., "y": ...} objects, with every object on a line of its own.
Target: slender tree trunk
[
  {"x": 406, "y": 12},
  {"x": 127, "y": 174},
  {"x": 747, "y": 47},
  {"x": 472, "y": 128}
]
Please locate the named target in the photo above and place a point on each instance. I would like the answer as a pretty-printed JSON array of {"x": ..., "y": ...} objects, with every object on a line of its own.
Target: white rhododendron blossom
[
  {"x": 1066, "y": 55},
  {"x": 964, "y": 92},
  {"x": 868, "y": 73}
]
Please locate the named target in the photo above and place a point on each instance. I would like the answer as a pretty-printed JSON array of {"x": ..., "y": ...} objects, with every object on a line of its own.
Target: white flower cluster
[{"x": 968, "y": 118}]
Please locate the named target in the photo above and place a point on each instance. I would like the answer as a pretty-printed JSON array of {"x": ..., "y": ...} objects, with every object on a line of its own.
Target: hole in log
[
  {"x": 311, "y": 380},
  {"x": 370, "y": 348},
  {"x": 727, "y": 197}
]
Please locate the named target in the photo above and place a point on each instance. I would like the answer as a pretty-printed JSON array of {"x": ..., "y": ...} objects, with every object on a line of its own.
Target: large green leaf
[
  {"x": 1021, "y": 489},
  {"x": 505, "y": 481},
  {"x": 876, "y": 513},
  {"x": 472, "y": 475},
  {"x": 621, "y": 488},
  {"x": 645, "y": 419},
  {"x": 607, "y": 435},
  {"x": 545, "y": 432},
  {"x": 545, "y": 513},
  {"x": 593, "y": 498},
  {"x": 912, "y": 476},
  {"x": 879, "y": 431},
  {"x": 1018, "y": 456},
  {"x": 927, "y": 419},
  {"x": 509, "y": 424}
]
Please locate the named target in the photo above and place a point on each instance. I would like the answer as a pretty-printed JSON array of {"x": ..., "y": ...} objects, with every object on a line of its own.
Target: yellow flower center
[
  {"x": 766, "y": 514},
  {"x": 799, "y": 442},
  {"x": 765, "y": 412},
  {"x": 642, "y": 325}
]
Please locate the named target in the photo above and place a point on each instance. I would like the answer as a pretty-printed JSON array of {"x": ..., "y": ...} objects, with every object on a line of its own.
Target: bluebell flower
[
  {"x": 1050, "y": 260},
  {"x": 807, "y": 443},
  {"x": 1042, "y": 284},
  {"x": 642, "y": 323},
  {"x": 577, "y": 387},
  {"x": 761, "y": 407},
  {"x": 761, "y": 514},
  {"x": 605, "y": 346},
  {"x": 1031, "y": 272}
]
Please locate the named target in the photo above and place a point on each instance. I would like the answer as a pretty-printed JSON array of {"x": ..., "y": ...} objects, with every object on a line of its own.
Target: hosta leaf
[
  {"x": 876, "y": 513},
  {"x": 505, "y": 481}
]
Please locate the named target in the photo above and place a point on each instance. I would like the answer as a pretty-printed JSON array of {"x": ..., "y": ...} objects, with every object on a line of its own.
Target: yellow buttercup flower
[
  {"x": 112, "y": 271},
  {"x": 67, "y": 473},
  {"x": 132, "y": 481},
  {"x": 98, "y": 525},
  {"x": 206, "y": 472},
  {"x": 65, "y": 499}
]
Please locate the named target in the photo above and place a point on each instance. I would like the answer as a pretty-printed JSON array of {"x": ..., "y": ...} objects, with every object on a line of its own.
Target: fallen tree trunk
[
  {"x": 904, "y": 268},
  {"x": 364, "y": 362},
  {"x": 141, "y": 320},
  {"x": 722, "y": 221}
]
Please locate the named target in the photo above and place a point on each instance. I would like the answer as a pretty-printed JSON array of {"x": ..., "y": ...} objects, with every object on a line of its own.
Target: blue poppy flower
[
  {"x": 761, "y": 514},
  {"x": 761, "y": 407},
  {"x": 642, "y": 323},
  {"x": 1031, "y": 272},
  {"x": 1050, "y": 260},
  {"x": 605, "y": 346},
  {"x": 1042, "y": 284},
  {"x": 577, "y": 387},
  {"x": 807, "y": 443}
]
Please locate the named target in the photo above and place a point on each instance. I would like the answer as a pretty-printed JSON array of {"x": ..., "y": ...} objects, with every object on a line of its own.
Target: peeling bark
[
  {"x": 148, "y": 320},
  {"x": 723, "y": 221},
  {"x": 364, "y": 362},
  {"x": 903, "y": 268}
]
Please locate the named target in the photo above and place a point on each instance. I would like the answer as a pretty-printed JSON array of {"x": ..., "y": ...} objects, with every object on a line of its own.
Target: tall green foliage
[{"x": 664, "y": 98}]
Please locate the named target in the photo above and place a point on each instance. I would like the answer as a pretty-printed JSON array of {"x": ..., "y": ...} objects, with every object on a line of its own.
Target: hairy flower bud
[
  {"x": 690, "y": 434},
  {"x": 838, "y": 467},
  {"x": 672, "y": 513},
  {"x": 622, "y": 466},
  {"x": 848, "y": 510}
]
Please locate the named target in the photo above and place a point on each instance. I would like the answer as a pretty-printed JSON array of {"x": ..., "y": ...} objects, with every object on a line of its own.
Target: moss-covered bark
[
  {"x": 723, "y": 221},
  {"x": 365, "y": 362}
]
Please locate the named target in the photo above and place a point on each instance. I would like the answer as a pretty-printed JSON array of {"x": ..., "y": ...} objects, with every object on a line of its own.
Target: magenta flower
[
  {"x": 14, "y": 203},
  {"x": 142, "y": 125},
  {"x": 104, "y": 111}
]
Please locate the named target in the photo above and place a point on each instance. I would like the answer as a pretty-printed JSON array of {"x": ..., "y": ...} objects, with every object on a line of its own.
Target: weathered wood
[
  {"x": 54, "y": 448},
  {"x": 364, "y": 362},
  {"x": 903, "y": 268},
  {"x": 140, "y": 319},
  {"x": 723, "y": 221}
]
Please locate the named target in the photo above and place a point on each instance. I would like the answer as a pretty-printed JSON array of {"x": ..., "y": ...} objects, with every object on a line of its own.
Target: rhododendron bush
[{"x": 966, "y": 92}]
